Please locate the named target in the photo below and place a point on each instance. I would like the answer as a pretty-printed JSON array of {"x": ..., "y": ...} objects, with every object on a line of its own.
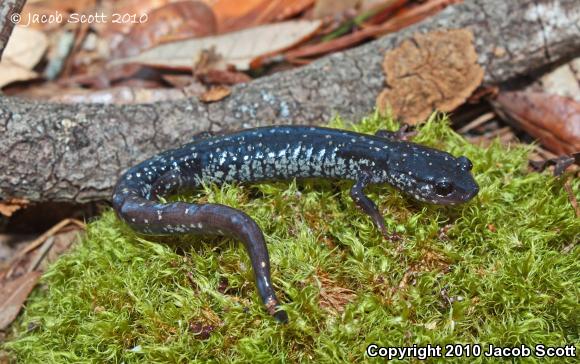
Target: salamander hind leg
[
  {"x": 166, "y": 184},
  {"x": 368, "y": 206}
]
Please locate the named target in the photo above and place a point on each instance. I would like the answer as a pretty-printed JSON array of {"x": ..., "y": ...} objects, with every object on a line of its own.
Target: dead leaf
[
  {"x": 25, "y": 47},
  {"x": 36, "y": 255},
  {"x": 434, "y": 71},
  {"x": 7, "y": 208},
  {"x": 237, "y": 48},
  {"x": 554, "y": 120},
  {"x": 215, "y": 94},
  {"x": 408, "y": 15},
  {"x": 333, "y": 297},
  {"x": 13, "y": 293},
  {"x": 24, "y": 50},
  {"x": 563, "y": 81},
  {"x": 10, "y": 72},
  {"x": 50, "y": 232},
  {"x": 234, "y": 15},
  {"x": 392, "y": 25},
  {"x": 178, "y": 80},
  {"x": 174, "y": 21},
  {"x": 324, "y": 8},
  {"x": 223, "y": 77},
  {"x": 382, "y": 9}
]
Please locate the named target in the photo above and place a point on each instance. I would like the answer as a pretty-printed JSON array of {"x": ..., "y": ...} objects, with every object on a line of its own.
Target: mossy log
[{"x": 76, "y": 152}]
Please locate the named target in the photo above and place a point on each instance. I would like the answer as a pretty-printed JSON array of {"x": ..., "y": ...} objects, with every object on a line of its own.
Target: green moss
[{"x": 502, "y": 269}]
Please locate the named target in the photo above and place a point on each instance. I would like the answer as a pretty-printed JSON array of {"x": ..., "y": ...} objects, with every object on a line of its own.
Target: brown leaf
[
  {"x": 324, "y": 8},
  {"x": 434, "y": 71},
  {"x": 408, "y": 15},
  {"x": 215, "y": 94},
  {"x": 25, "y": 46},
  {"x": 10, "y": 72},
  {"x": 333, "y": 297},
  {"x": 178, "y": 80},
  {"x": 7, "y": 208},
  {"x": 223, "y": 77},
  {"x": 234, "y": 15},
  {"x": 13, "y": 293},
  {"x": 175, "y": 21},
  {"x": 237, "y": 48},
  {"x": 24, "y": 50},
  {"x": 554, "y": 120},
  {"x": 350, "y": 40},
  {"x": 384, "y": 10}
]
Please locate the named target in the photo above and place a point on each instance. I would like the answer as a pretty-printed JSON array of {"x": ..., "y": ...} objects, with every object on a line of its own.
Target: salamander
[{"x": 281, "y": 153}]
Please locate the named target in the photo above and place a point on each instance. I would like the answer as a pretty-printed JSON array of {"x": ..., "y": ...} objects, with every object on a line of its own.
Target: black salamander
[{"x": 281, "y": 153}]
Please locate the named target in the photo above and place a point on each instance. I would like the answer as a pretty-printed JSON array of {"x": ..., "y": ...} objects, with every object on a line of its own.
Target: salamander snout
[{"x": 440, "y": 179}]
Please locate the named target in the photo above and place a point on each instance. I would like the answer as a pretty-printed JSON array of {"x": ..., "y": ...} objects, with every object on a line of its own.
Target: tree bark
[{"x": 76, "y": 152}]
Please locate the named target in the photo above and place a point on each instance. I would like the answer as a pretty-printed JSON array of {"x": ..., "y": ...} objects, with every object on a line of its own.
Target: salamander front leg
[
  {"x": 368, "y": 206},
  {"x": 202, "y": 135}
]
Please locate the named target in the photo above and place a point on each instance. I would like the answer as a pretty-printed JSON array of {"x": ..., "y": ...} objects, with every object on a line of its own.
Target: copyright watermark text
[{"x": 75, "y": 18}]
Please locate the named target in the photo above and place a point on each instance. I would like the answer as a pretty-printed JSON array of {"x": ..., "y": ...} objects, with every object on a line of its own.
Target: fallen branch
[{"x": 76, "y": 152}]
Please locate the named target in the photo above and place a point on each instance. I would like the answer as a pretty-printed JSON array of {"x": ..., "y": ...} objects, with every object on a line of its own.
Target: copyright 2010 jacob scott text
[{"x": 470, "y": 350}]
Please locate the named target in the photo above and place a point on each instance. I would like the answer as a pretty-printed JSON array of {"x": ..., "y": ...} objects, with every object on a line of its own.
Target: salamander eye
[
  {"x": 443, "y": 188},
  {"x": 465, "y": 163}
]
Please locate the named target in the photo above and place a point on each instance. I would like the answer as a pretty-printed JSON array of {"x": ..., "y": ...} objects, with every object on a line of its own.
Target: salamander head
[{"x": 433, "y": 176}]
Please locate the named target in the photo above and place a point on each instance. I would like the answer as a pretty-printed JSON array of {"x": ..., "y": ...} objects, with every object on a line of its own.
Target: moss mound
[{"x": 502, "y": 269}]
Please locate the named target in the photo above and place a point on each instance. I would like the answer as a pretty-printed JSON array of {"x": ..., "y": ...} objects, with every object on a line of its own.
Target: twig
[
  {"x": 571, "y": 196},
  {"x": 50, "y": 232},
  {"x": 41, "y": 253},
  {"x": 477, "y": 122}
]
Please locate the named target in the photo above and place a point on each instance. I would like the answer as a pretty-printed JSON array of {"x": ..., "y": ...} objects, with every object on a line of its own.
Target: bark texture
[{"x": 76, "y": 152}]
